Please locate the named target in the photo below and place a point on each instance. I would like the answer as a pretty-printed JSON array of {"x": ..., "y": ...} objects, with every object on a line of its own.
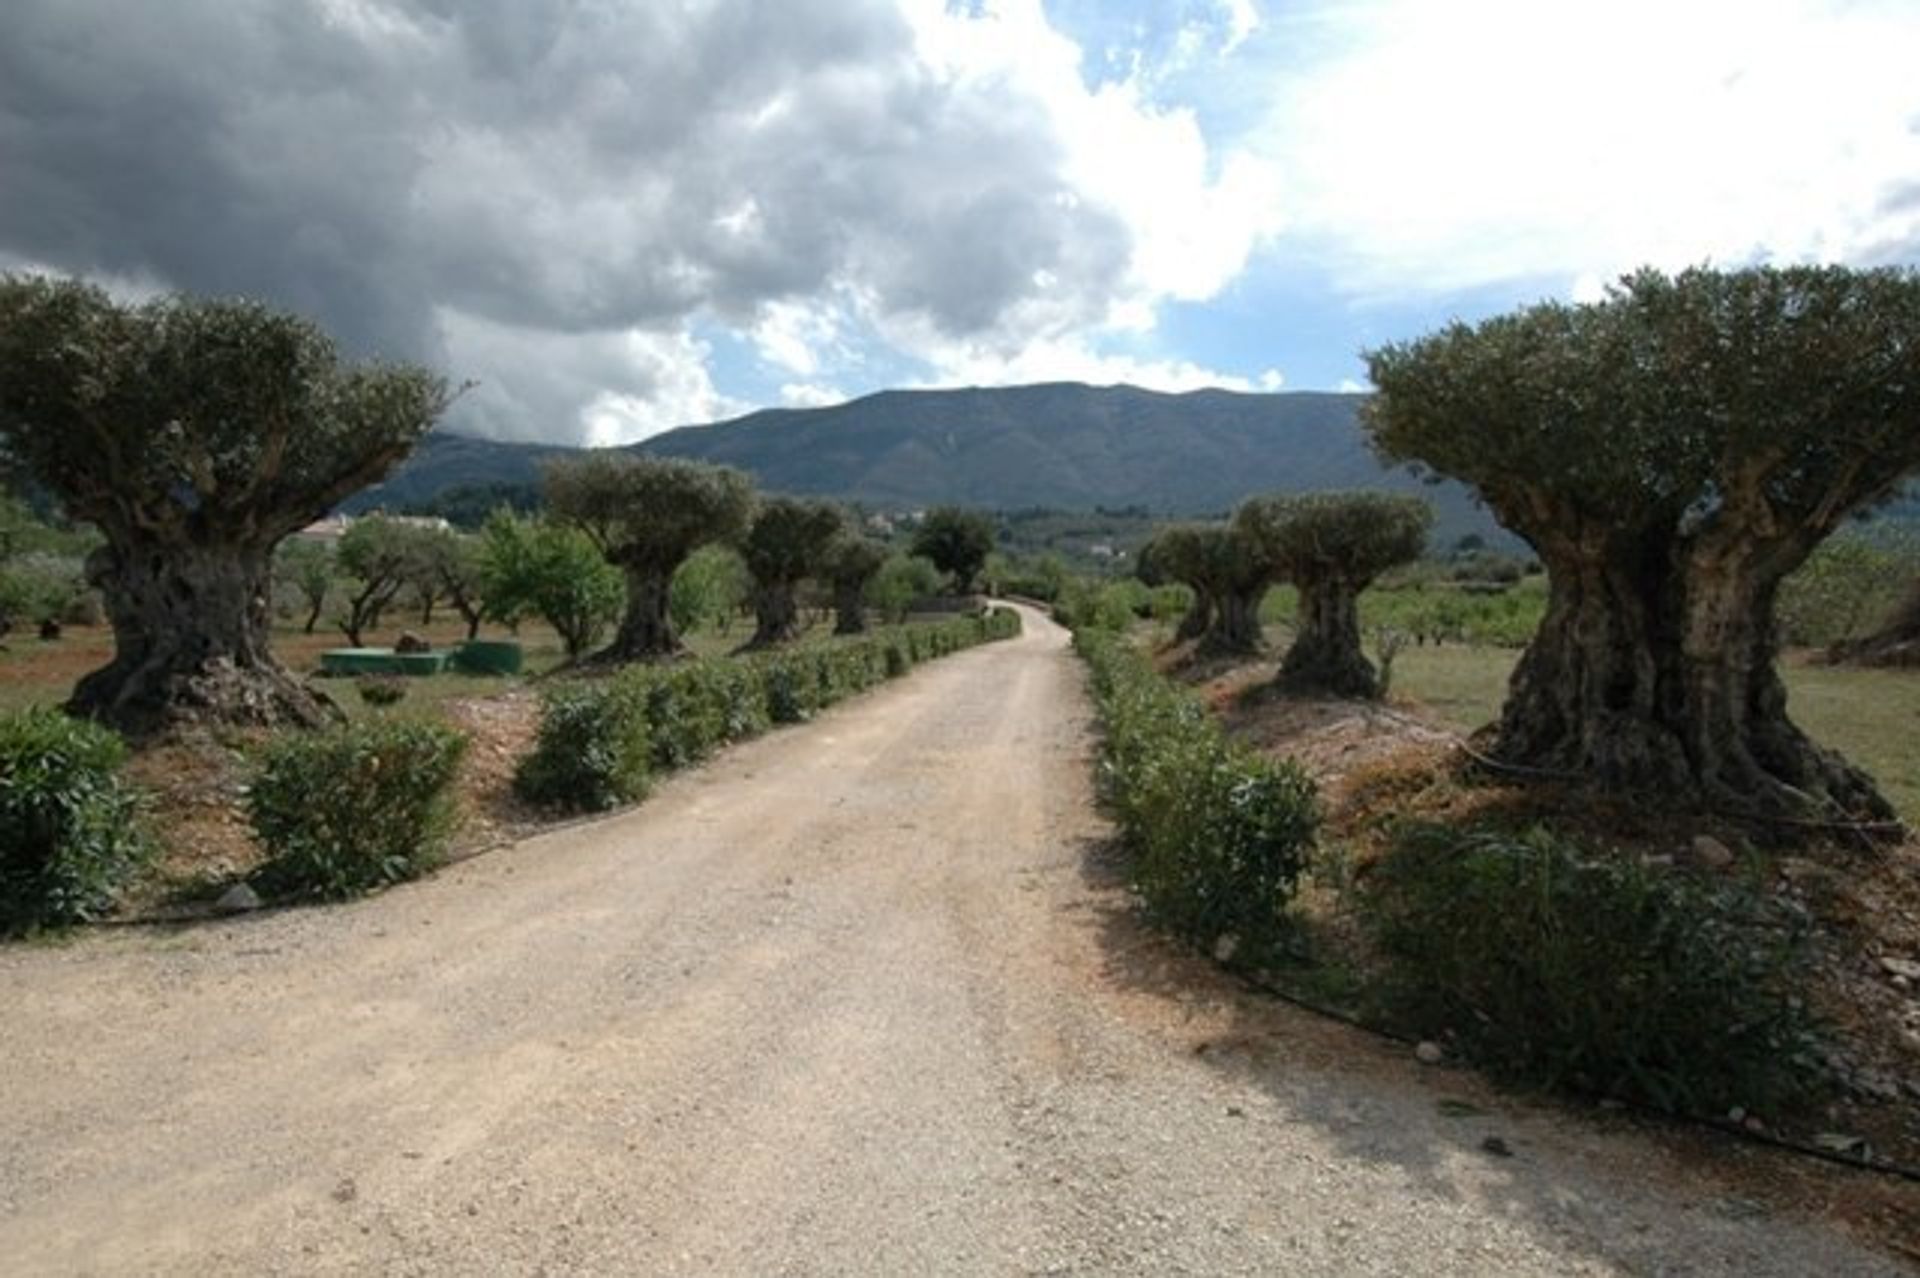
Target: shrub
[
  {"x": 69, "y": 832},
  {"x": 1599, "y": 974},
  {"x": 355, "y": 808},
  {"x": 593, "y": 751},
  {"x": 382, "y": 690},
  {"x": 1217, "y": 834}
]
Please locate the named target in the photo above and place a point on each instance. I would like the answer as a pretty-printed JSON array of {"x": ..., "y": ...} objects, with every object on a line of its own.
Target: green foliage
[
  {"x": 353, "y": 808},
  {"x": 382, "y": 690},
  {"x": 380, "y": 554},
  {"x": 1102, "y": 605},
  {"x": 956, "y": 541},
  {"x": 308, "y": 567},
  {"x": 1350, "y": 537},
  {"x": 533, "y": 568},
  {"x": 191, "y": 417},
  {"x": 647, "y": 514},
  {"x": 593, "y": 751},
  {"x": 788, "y": 539},
  {"x": 707, "y": 588},
  {"x": 1217, "y": 834},
  {"x": 69, "y": 828},
  {"x": 37, "y": 587},
  {"x": 600, "y": 742},
  {"x": 1560, "y": 968},
  {"x": 900, "y": 581},
  {"x": 1849, "y": 585}
]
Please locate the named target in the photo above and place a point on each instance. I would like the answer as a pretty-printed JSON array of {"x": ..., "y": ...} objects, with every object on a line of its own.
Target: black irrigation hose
[{"x": 1860, "y": 1162}]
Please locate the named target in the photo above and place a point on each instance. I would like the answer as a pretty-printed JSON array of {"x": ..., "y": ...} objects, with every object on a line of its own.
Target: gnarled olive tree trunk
[
  {"x": 1196, "y": 620},
  {"x": 1654, "y": 669},
  {"x": 1234, "y": 630},
  {"x": 1325, "y": 656},
  {"x": 776, "y": 615},
  {"x": 646, "y": 630},
  {"x": 190, "y": 633},
  {"x": 849, "y": 608}
]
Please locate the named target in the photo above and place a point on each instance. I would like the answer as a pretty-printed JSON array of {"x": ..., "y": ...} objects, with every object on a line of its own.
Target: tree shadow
[{"x": 1623, "y": 1190}]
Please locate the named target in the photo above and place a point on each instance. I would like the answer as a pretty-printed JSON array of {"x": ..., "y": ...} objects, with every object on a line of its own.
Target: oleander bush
[
  {"x": 1555, "y": 966},
  {"x": 1217, "y": 834},
  {"x": 353, "y": 808},
  {"x": 69, "y": 826},
  {"x": 594, "y": 750},
  {"x": 599, "y": 742}
]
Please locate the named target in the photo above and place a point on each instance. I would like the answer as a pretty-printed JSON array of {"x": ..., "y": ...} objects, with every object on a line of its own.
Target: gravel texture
[{"x": 858, "y": 997}]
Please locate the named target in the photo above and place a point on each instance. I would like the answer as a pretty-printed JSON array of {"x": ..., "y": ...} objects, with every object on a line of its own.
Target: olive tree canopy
[
  {"x": 195, "y": 434},
  {"x": 850, "y": 562},
  {"x": 1671, "y": 453},
  {"x": 646, "y": 515},
  {"x": 1332, "y": 546},
  {"x": 957, "y": 541},
  {"x": 786, "y": 543},
  {"x": 1229, "y": 577}
]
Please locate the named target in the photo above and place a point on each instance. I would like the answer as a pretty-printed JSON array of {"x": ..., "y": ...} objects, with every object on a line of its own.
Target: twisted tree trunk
[
  {"x": 1654, "y": 670},
  {"x": 1196, "y": 620},
  {"x": 190, "y": 642},
  {"x": 776, "y": 615},
  {"x": 1234, "y": 630},
  {"x": 849, "y": 608},
  {"x": 646, "y": 629},
  {"x": 1325, "y": 656}
]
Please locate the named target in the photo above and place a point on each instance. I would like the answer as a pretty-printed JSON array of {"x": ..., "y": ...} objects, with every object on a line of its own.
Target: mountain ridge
[{"x": 1055, "y": 445}]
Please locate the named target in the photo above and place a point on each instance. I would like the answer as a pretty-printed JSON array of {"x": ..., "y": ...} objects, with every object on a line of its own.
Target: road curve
[{"x": 857, "y": 997}]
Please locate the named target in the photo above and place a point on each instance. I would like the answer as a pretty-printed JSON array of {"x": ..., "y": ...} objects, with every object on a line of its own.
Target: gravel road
[{"x": 858, "y": 997}]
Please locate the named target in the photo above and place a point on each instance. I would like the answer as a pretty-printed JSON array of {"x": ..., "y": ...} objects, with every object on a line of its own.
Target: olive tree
[
  {"x": 1671, "y": 453},
  {"x": 1332, "y": 546},
  {"x": 308, "y": 567},
  {"x": 785, "y": 544},
  {"x": 646, "y": 515},
  {"x": 1152, "y": 566},
  {"x": 195, "y": 434},
  {"x": 851, "y": 561},
  {"x": 957, "y": 541},
  {"x": 1228, "y": 575},
  {"x": 380, "y": 555}
]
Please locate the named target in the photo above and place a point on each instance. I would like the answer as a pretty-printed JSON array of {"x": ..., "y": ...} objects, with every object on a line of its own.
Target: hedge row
[
  {"x": 600, "y": 743},
  {"x": 1555, "y": 966},
  {"x": 69, "y": 828},
  {"x": 1217, "y": 834}
]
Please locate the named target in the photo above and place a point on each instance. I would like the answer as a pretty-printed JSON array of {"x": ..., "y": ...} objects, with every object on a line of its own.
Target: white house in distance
[{"x": 334, "y": 527}]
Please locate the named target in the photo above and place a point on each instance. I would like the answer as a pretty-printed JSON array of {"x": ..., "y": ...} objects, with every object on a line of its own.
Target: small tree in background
[
  {"x": 380, "y": 555},
  {"x": 646, "y": 515},
  {"x": 786, "y": 543},
  {"x": 195, "y": 435},
  {"x": 708, "y": 589},
  {"x": 957, "y": 541},
  {"x": 851, "y": 562},
  {"x": 1671, "y": 454},
  {"x": 1225, "y": 569},
  {"x": 1332, "y": 546},
  {"x": 900, "y": 581},
  {"x": 308, "y": 567},
  {"x": 532, "y": 568}
]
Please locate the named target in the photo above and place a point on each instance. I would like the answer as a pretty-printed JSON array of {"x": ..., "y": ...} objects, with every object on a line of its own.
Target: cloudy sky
[{"x": 619, "y": 216}]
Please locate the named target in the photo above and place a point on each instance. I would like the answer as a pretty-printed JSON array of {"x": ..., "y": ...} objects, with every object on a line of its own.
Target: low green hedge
[
  {"x": 599, "y": 742},
  {"x": 353, "y": 808},
  {"x": 1217, "y": 834},
  {"x": 69, "y": 828},
  {"x": 1553, "y": 966}
]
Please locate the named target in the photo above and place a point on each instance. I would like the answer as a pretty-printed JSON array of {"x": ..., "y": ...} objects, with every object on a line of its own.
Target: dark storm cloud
[{"x": 535, "y": 166}]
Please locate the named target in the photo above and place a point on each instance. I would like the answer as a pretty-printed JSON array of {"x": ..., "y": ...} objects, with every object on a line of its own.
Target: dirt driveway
[{"x": 859, "y": 997}]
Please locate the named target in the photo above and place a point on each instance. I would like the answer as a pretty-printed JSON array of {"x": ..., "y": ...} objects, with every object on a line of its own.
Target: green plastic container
[
  {"x": 358, "y": 661},
  {"x": 488, "y": 656},
  {"x": 421, "y": 663}
]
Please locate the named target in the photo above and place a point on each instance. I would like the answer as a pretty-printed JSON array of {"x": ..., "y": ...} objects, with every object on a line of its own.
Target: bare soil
[{"x": 863, "y": 996}]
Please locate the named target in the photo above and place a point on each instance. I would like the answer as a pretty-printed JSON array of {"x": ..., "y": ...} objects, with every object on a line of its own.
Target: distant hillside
[{"x": 1061, "y": 446}]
